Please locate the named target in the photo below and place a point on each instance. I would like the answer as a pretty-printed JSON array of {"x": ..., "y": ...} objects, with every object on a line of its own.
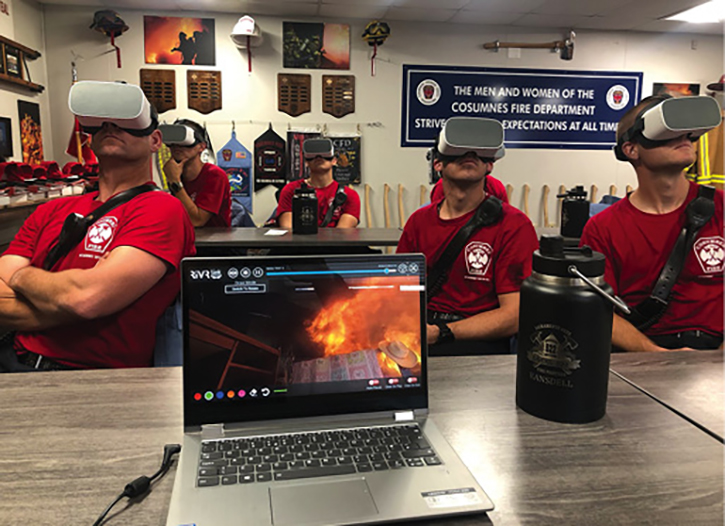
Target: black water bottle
[
  {"x": 565, "y": 335},
  {"x": 574, "y": 212},
  {"x": 304, "y": 210}
]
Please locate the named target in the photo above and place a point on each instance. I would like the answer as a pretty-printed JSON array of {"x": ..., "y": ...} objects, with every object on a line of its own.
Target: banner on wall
[
  {"x": 295, "y": 160},
  {"x": 236, "y": 161},
  {"x": 270, "y": 163},
  {"x": 538, "y": 108},
  {"x": 347, "y": 152}
]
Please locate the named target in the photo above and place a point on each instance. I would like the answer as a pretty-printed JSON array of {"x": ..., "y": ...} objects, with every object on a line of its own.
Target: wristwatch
[
  {"x": 446, "y": 334},
  {"x": 175, "y": 187}
]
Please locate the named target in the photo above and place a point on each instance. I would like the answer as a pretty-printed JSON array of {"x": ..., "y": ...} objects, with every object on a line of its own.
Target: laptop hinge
[
  {"x": 212, "y": 431},
  {"x": 404, "y": 416}
]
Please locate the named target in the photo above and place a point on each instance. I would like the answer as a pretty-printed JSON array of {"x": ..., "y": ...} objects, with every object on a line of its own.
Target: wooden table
[
  {"x": 689, "y": 382},
  {"x": 70, "y": 441},
  {"x": 236, "y": 238}
]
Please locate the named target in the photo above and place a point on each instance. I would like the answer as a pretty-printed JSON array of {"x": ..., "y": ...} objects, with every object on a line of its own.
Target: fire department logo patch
[
  {"x": 617, "y": 97},
  {"x": 710, "y": 252},
  {"x": 478, "y": 258},
  {"x": 428, "y": 92},
  {"x": 100, "y": 234}
]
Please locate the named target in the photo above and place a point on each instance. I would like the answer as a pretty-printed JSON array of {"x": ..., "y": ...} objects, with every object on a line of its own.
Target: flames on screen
[{"x": 372, "y": 316}]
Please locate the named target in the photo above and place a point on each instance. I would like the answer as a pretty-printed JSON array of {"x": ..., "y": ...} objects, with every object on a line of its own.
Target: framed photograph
[
  {"x": 675, "y": 89},
  {"x": 316, "y": 45},
  {"x": 31, "y": 135},
  {"x": 2, "y": 58},
  {"x": 176, "y": 40},
  {"x": 6, "y": 138},
  {"x": 13, "y": 66}
]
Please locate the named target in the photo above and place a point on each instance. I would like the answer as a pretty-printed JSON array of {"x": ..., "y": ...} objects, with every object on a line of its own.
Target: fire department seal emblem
[
  {"x": 100, "y": 234},
  {"x": 553, "y": 351},
  {"x": 478, "y": 258},
  {"x": 710, "y": 252},
  {"x": 617, "y": 97},
  {"x": 428, "y": 92}
]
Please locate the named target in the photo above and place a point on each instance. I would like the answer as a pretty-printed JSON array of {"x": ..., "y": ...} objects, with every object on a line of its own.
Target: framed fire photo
[
  {"x": 31, "y": 135},
  {"x": 675, "y": 89},
  {"x": 177, "y": 40},
  {"x": 316, "y": 46}
]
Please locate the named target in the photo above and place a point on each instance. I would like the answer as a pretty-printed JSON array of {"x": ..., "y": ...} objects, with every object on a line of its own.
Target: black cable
[
  {"x": 103, "y": 515},
  {"x": 142, "y": 484},
  {"x": 668, "y": 406}
]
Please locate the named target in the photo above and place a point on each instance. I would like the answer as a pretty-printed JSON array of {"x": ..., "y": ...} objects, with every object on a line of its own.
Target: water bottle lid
[{"x": 553, "y": 259}]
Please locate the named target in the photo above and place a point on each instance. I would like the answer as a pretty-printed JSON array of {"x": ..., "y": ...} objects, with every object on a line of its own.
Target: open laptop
[{"x": 305, "y": 396}]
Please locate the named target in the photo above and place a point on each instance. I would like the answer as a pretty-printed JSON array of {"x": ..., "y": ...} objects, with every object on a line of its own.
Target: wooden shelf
[
  {"x": 21, "y": 54},
  {"x": 32, "y": 86}
]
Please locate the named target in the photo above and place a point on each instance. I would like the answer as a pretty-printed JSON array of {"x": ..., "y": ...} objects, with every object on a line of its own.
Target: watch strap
[
  {"x": 175, "y": 187},
  {"x": 446, "y": 334}
]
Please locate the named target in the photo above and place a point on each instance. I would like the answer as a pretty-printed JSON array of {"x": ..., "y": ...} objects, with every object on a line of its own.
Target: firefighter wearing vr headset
[
  {"x": 202, "y": 188},
  {"x": 82, "y": 283},
  {"x": 639, "y": 235},
  {"x": 338, "y": 206},
  {"x": 473, "y": 301}
]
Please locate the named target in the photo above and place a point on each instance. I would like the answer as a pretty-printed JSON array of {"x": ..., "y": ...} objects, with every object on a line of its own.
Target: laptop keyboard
[{"x": 315, "y": 454}]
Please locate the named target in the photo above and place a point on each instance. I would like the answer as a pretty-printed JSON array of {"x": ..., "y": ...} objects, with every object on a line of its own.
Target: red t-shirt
[
  {"x": 637, "y": 246},
  {"x": 325, "y": 197},
  {"x": 210, "y": 191},
  {"x": 154, "y": 222},
  {"x": 493, "y": 187},
  {"x": 496, "y": 259}
]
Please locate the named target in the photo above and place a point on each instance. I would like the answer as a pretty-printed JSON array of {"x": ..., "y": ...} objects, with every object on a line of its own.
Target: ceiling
[{"x": 614, "y": 15}]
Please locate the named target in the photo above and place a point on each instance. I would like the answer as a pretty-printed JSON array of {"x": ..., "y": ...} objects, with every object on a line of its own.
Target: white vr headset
[
  {"x": 461, "y": 135},
  {"x": 312, "y": 148},
  {"x": 668, "y": 118},
  {"x": 125, "y": 105},
  {"x": 180, "y": 134}
]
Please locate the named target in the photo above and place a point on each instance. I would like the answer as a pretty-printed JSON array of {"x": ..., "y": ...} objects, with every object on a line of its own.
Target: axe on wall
[{"x": 564, "y": 47}]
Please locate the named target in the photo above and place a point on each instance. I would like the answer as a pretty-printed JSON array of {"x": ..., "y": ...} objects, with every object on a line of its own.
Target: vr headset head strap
[
  {"x": 637, "y": 127},
  {"x": 200, "y": 133}
]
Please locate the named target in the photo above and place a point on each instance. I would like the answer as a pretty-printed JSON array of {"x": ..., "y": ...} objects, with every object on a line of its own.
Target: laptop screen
[{"x": 296, "y": 336}]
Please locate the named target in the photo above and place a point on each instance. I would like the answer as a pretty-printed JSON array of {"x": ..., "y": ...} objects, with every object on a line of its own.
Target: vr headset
[
  {"x": 324, "y": 148},
  {"x": 461, "y": 135},
  {"x": 668, "y": 118},
  {"x": 181, "y": 134},
  {"x": 125, "y": 105}
]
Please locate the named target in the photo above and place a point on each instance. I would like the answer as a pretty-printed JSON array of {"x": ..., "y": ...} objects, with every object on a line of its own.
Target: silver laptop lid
[{"x": 296, "y": 336}]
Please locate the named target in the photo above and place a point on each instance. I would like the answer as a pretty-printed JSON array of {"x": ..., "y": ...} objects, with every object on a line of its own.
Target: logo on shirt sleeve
[
  {"x": 101, "y": 234},
  {"x": 478, "y": 258},
  {"x": 710, "y": 252}
]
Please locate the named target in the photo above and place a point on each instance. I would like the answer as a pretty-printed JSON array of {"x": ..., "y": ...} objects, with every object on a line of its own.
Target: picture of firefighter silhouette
[
  {"x": 176, "y": 40},
  {"x": 335, "y": 330}
]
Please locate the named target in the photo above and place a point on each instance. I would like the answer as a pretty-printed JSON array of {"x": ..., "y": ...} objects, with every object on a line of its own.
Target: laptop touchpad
[{"x": 322, "y": 502}]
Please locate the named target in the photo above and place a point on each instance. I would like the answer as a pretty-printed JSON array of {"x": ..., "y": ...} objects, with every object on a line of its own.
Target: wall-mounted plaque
[
  {"x": 205, "y": 90},
  {"x": 159, "y": 85},
  {"x": 338, "y": 94},
  {"x": 293, "y": 93}
]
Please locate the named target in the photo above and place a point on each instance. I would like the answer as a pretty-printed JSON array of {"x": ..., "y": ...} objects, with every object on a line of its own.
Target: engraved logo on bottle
[
  {"x": 552, "y": 355},
  {"x": 308, "y": 215}
]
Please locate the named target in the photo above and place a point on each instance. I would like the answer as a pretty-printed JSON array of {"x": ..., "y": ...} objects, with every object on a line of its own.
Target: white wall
[
  {"x": 253, "y": 97},
  {"x": 6, "y": 20},
  {"x": 25, "y": 26}
]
